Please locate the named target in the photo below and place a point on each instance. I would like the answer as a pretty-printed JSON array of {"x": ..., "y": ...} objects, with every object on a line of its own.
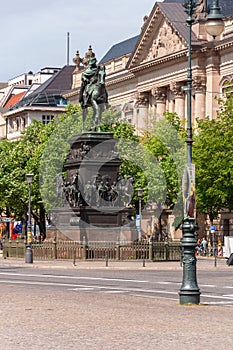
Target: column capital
[
  {"x": 142, "y": 99},
  {"x": 199, "y": 84},
  {"x": 159, "y": 93},
  {"x": 176, "y": 89}
]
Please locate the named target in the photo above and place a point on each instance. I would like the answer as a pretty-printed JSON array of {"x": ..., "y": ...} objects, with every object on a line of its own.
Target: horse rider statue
[{"x": 93, "y": 92}]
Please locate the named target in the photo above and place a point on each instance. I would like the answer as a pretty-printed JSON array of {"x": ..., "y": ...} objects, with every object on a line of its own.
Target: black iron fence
[{"x": 153, "y": 251}]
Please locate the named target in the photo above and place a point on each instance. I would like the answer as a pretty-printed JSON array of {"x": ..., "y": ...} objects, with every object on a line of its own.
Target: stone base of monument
[
  {"x": 95, "y": 199},
  {"x": 93, "y": 234},
  {"x": 94, "y": 224}
]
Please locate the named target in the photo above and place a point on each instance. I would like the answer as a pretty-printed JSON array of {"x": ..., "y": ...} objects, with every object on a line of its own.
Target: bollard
[
  {"x": 144, "y": 257},
  {"x": 55, "y": 248},
  {"x": 74, "y": 261},
  {"x": 118, "y": 250},
  {"x": 106, "y": 259},
  {"x": 215, "y": 256},
  {"x": 150, "y": 250}
]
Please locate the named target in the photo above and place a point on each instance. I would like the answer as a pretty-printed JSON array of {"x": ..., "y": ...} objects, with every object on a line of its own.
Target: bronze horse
[{"x": 93, "y": 93}]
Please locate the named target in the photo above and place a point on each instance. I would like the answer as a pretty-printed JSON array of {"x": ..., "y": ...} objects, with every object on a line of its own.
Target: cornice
[
  {"x": 148, "y": 65},
  {"x": 159, "y": 61},
  {"x": 31, "y": 109},
  {"x": 222, "y": 45},
  {"x": 120, "y": 79},
  {"x": 71, "y": 93}
]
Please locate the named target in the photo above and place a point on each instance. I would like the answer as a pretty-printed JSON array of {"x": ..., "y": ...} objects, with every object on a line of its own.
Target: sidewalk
[{"x": 203, "y": 263}]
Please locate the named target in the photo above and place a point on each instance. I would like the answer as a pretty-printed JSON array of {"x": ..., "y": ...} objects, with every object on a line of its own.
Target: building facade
[
  {"x": 42, "y": 100},
  {"x": 146, "y": 75}
]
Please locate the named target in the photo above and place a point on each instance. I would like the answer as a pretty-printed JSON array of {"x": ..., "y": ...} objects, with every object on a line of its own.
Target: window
[
  {"x": 47, "y": 118},
  {"x": 226, "y": 227}
]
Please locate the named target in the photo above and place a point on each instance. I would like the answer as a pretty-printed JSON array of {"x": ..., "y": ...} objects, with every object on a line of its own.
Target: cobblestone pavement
[{"x": 33, "y": 319}]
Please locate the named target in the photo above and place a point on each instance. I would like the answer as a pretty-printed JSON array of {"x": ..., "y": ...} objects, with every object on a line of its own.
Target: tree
[
  {"x": 213, "y": 156},
  {"x": 165, "y": 163},
  {"x": 17, "y": 159}
]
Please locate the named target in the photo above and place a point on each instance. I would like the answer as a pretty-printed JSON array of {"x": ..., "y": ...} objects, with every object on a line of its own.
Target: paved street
[{"x": 55, "y": 305}]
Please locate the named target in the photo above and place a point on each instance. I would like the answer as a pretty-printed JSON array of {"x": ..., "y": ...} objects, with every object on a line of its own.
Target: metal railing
[{"x": 62, "y": 250}]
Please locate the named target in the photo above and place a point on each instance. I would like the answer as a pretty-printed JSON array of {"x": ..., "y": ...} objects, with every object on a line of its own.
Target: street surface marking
[
  {"x": 218, "y": 303},
  {"x": 73, "y": 277},
  {"x": 152, "y": 297},
  {"x": 88, "y": 286},
  {"x": 169, "y": 283},
  {"x": 216, "y": 296},
  {"x": 208, "y": 285},
  {"x": 81, "y": 289},
  {"x": 115, "y": 291}
]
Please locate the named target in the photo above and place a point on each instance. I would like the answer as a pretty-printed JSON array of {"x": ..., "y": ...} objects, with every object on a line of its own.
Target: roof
[
  {"x": 175, "y": 12},
  {"x": 50, "y": 92},
  {"x": 123, "y": 48},
  {"x": 58, "y": 82},
  {"x": 225, "y": 5},
  {"x": 14, "y": 99}
]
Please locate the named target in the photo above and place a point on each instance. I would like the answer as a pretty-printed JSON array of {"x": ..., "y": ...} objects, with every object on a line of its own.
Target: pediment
[
  {"x": 159, "y": 38},
  {"x": 164, "y": 43}
]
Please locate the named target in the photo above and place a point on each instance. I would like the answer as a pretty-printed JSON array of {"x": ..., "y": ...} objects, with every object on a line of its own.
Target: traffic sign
[
  {"x": 212, "y": 229},
  {"x": 138, "y": 222}
]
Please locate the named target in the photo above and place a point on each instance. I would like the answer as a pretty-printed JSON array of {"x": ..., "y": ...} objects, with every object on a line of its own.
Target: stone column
[
  {"x": 178, "y": 93},
  {"x": 213, "y": 89},
  {"x": 199, "y": 88},
  {"x": 160, "y": 96},
  {"x": 141, "y": 110}
]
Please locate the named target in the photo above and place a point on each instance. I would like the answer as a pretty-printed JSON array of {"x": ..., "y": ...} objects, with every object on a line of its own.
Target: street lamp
[
  {"x": 29, "y": 254},
  {"x": 214, "y": 21},
  {"x": 140, "y": 191},
  {"x": 190, "y": 292}
]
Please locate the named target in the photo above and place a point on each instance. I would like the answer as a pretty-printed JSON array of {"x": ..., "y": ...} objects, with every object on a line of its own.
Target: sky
[{"x": 34, "y": 33}]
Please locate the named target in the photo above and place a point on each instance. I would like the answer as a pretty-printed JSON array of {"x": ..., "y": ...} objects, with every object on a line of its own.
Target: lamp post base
[
  {"x": 187, "y": 298},
  {"x": 189, "y": 292},
  {"x": 29, "y": 255}
]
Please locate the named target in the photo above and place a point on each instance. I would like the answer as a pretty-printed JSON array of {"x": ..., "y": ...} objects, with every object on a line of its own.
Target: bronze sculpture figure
[{"x": 93, "y": 92}]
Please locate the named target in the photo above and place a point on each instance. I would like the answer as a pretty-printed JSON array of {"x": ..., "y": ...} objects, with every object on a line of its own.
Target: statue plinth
[{"x": 96, "y": 199}]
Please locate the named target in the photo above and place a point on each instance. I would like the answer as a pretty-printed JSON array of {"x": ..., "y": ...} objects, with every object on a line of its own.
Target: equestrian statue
[{"x": 93, "y": 92}]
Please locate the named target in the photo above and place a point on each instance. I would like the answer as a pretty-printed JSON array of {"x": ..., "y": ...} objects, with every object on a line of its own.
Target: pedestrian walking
[{"x": 204, "y": 246}]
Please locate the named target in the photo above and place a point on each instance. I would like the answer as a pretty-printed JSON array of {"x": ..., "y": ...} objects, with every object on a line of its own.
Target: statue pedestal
[
  {"x": 92, "y": 224},
  {"x": 94, "y": 207}
]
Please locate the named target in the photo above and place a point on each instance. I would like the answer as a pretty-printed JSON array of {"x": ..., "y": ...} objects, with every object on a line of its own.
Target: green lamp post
[
  {"x": 190, "y": 292},
  {"x": 140, "y": 192},
  {"x": 29, "y": 253}
]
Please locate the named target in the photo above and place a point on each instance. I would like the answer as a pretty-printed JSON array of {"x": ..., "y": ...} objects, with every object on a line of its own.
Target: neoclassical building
[{"x": 146, "y": 75}]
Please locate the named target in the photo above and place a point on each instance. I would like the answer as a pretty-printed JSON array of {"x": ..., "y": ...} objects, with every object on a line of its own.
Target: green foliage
[
  {"x": 17, "y": 159},
  {"x": 165, "y": 143},
  {"x": 55, "y": 151},
  {"x": 213, "y": 155}
]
